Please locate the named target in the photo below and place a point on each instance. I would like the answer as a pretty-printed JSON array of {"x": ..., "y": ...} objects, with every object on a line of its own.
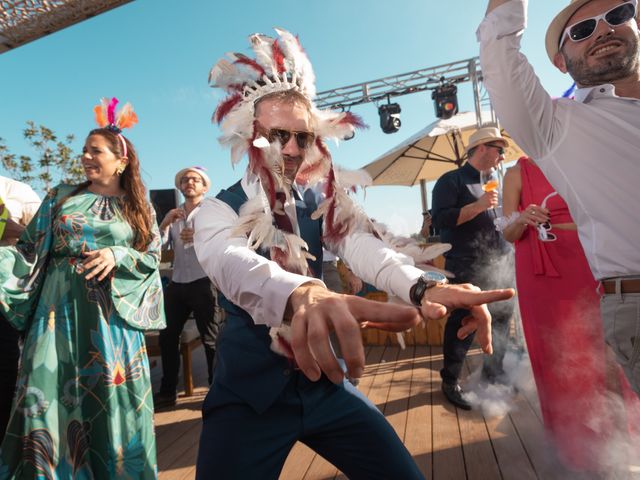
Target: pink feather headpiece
[{"x": 107, "y": 117}]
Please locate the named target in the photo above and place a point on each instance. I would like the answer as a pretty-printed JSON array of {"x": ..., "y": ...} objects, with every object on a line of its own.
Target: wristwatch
[{"x": 427, "y": 280}]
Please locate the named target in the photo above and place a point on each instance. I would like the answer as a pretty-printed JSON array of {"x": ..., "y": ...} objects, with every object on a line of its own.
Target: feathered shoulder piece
[{"x": 107, "y": 116}]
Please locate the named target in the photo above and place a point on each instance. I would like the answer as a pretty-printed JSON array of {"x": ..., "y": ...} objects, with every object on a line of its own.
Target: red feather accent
[
  {"x": 323, "y": 148},
  {"x": 354, "y": 120},
  {"x": 278, "y": 56},
  {"x": 226, "y": 106},
  {"x": 330, "y": 229},
  {"x": 334, "y": 231},
  {"x": 244, "y": 60},
  {"x": 281, "y": 257},
  {"x": 285, "y": 347},
  {"x": 307, "y": 171}
]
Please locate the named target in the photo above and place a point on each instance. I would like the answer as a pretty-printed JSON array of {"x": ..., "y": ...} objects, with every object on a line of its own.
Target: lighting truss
[{"x": 407, "y": 83}]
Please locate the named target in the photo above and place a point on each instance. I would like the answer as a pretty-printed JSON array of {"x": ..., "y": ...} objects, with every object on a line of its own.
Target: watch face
[{"x": 431, "y": 276}]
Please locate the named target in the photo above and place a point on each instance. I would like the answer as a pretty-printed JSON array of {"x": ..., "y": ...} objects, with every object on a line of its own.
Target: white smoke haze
[
  {"x": 498, "y": 399},
  {"x": 613, "y": 422},
  {"x": 619, "y": 455}
]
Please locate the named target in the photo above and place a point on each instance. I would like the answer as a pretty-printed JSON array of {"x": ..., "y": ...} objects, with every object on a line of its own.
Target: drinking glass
[
  {"x": 491, "y": 181},
  {"x": 187, "y": 224}
]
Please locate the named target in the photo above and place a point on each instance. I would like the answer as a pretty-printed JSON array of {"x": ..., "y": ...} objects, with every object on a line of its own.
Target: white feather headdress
[{"x": 281, "y": 64}]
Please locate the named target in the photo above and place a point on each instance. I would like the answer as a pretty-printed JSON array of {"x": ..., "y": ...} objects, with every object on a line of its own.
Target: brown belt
[{"x": 626, "y": 286}]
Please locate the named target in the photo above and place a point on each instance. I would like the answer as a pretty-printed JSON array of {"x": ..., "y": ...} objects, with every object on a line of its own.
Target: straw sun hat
[
  {"x": 486, "y": 135},
  {"x": 199, "y": 170}
]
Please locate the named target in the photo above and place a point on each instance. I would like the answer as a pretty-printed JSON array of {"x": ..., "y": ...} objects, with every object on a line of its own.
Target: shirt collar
[
  {"x": 470, "y": 171},
  {"x": 586, "y": 94}
]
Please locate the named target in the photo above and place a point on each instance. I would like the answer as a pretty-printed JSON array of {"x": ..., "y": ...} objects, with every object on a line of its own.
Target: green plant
[{"x": 53, "y": 162}]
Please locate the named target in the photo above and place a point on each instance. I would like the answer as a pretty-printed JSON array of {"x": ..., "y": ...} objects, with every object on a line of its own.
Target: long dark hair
[{"x": 135, "y": 208}]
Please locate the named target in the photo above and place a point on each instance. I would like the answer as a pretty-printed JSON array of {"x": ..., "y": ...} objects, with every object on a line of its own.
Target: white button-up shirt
[
  {"x": 260, "y": 286},
  {"x": 186, "y": 268},
  {"x": 588, "y": 148},
  {"x": 20, "y": 199}
]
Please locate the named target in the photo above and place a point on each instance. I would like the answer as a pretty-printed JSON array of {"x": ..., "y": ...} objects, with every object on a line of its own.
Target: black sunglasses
[
  {"x": 584, "y": 28},
  {"x": 303, "y": 139},
  {"x": 500, "y": 148}
]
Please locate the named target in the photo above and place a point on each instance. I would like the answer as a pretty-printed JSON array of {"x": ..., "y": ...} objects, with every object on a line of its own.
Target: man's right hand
[
  {"x": 172, "y": 216},
  {"x": 488, "y": 200}
]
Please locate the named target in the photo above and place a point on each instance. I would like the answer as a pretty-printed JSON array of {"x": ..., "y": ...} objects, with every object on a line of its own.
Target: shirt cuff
[
  {"x": 402, "y": 278},
  {"x": 508, "y": 19},
  {"x": 275, "y": 294}
]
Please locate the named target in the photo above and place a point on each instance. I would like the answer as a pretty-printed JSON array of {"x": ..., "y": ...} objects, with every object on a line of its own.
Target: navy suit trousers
[{"x": 238, "y": 443}]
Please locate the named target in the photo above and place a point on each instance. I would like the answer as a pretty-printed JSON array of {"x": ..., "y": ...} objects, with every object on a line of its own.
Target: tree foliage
[{"x": 53, "y": 162}]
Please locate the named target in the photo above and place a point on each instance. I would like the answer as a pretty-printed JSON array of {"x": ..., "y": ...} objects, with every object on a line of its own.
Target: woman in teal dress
[{"x": 83, "y": 285}]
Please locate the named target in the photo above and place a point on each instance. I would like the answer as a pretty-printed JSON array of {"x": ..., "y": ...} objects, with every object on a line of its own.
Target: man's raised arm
[
  {"x": 495, "y": 4},
  {"x": 523, "y": 107}
]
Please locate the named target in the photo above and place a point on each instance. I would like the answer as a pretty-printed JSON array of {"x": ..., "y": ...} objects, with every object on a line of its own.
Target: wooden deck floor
[{"x": 447, "y": 443}]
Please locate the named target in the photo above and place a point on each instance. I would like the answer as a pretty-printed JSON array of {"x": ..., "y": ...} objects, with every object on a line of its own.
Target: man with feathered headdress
[{"x": 277, "y": 379}]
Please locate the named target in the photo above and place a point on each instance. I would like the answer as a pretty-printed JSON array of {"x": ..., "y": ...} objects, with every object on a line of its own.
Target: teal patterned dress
[{"x": 83, "y": 407}]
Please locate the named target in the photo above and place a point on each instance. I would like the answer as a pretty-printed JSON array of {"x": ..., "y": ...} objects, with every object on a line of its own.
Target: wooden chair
[{"x": 189, "y": 340}]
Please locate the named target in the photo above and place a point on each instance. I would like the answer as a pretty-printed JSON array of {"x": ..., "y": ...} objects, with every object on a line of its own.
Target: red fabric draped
[{"x": 577, "y": 379}]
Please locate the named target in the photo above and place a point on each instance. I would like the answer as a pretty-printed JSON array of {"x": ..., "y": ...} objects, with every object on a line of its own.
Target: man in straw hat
[
  {"x": 464, "y": 214},
  {"x": 276, "y": 379},
  {"x": 588, "y": 147},
  {"x": 190, "y": 290}
]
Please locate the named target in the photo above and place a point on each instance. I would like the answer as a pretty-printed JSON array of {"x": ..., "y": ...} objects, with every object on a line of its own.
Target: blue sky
[{"x": 157, "y": 55}]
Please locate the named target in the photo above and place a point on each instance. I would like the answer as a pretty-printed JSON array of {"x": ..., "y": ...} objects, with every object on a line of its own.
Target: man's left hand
[
  {"x": 317, "y": 311},
  {"x": 440, "y": 299}
]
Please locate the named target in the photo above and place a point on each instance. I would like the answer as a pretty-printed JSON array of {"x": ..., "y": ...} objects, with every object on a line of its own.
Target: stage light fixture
[
  {"x": 389, "y": 117},
  {"x": 445, "y": 101}
]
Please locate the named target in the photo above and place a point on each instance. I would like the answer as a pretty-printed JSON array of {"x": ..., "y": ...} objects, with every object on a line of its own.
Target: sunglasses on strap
[{"x": 544, "y": 228}]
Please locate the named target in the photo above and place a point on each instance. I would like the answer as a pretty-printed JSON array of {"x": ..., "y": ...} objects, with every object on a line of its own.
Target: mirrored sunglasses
[
  {"x": 303, "y": 139},
  {"x": 584, "y": 28}
]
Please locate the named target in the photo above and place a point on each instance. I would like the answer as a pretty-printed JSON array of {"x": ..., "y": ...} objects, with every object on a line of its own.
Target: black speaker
[{"x": 164, "y": 200}]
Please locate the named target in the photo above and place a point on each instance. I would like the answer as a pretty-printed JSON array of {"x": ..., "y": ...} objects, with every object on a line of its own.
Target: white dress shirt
[
  {"x": 186, "y": 268},
  {"x": 588, "y": 148},
  {"x": 260, "y": 286}
]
